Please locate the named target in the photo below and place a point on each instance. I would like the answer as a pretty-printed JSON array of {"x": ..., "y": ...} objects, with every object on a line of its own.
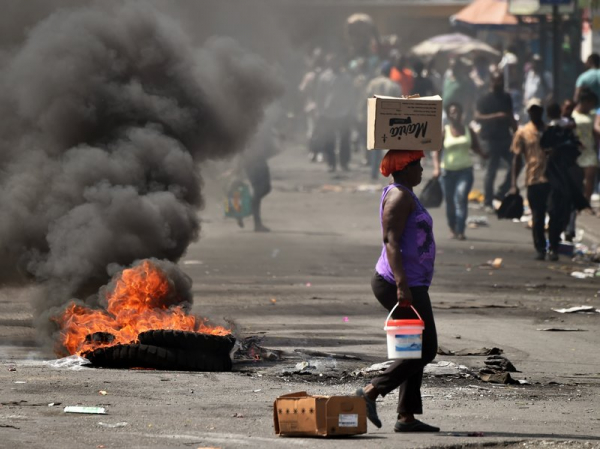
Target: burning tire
[
  {"x": 150, "y": 356},
  {"x": 191, "y": 341}
]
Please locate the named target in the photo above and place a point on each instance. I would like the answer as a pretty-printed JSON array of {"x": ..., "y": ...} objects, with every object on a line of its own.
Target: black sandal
[
  {"x": 371, "y": 408},
  {"x": 414, "y": 426}
]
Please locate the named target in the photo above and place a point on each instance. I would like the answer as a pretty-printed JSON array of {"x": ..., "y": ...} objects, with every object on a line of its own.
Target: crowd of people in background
[{"x": 497, "y": 109}]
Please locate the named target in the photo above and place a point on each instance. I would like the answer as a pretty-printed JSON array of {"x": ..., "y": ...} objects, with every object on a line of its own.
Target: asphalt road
[{"x": 305, "y": 285}]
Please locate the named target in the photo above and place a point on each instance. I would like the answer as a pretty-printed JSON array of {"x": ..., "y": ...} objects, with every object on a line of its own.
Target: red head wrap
[{"x": 396, "y": 160}]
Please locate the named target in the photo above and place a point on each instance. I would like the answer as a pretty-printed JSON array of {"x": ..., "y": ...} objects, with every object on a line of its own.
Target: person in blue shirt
[{"x": 589, "y": 79}]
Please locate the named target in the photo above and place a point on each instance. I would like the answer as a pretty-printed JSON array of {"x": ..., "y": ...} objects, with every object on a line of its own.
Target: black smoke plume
[{"x": 106, "y": 115}]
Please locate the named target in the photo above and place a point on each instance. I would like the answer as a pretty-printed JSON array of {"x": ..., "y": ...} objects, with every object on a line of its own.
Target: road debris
[
  {"x": 446, "y": 368},
  {"x": 585, "y": 274},
  {"x": 500, "y": 363},
  {"x": 495, "y": 263},
  {"x": 498, "y": 378},
  {"x": 332, "y": 355},
  {"x": 467, "y": 352},
  {"x": 72, "y": 362},
  {"x": 113, "y": 425},
  {"x": 86, "y": 410},
  {"x": 477, "y": 222},
  {"x": 249, "y": 349},
  {"x": 578, "y": 309},
  {"x": 563, "y": 329},
  {"x": 319, "y": 367}
]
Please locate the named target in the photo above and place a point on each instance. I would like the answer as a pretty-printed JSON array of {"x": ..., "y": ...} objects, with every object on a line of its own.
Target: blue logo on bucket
[{"x": 408, "y": 342}]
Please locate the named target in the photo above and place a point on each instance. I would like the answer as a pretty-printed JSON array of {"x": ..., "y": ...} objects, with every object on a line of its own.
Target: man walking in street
[
  {"x": 538, "y": 84},
  {"x": 526, "y": 145},
  {"x": 590, "y": 79},
  {"x": 335, "y": 102},
  {"x": 495, "y": 114}
]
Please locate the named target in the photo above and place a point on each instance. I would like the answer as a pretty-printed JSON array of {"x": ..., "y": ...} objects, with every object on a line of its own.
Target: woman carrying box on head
[{"x": 402, "y": 278}]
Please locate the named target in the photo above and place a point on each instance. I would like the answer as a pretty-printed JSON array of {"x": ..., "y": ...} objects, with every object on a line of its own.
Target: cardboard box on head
[
  {"x": 411, "y": 123},
  {"x": 301, "y": 414}
]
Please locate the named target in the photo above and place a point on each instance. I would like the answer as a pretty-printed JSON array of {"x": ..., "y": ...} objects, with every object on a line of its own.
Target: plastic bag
[
  {"x": 511, "y": 207},
  {"x": 432, "y": 195},
  {"x": 238, "y": 203}
]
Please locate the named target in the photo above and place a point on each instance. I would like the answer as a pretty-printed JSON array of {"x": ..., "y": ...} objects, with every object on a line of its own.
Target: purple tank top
[{"x": 417, "y": 246}]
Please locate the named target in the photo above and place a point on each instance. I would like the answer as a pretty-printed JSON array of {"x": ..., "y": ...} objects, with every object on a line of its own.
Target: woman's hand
[
  {"x": 405, "y": 298},
  {"x": 436, "y": 172}
]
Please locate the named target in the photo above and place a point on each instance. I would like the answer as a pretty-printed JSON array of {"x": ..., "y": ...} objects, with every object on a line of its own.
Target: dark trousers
[
  {"x": 331, "y": 131},
  {"x": 497, "y": 150},
  {"x": 406, "y": 374},
  {"x": 260, "y": 179},
  {"x": 538, "y": 196}
]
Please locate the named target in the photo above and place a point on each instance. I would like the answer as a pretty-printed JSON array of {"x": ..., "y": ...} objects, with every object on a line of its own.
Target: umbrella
[
  {"x": 486, "y": 14},
  {"x": 455, "y": 43}
]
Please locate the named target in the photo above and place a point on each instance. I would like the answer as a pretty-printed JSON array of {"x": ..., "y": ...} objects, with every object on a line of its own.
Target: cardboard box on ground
[
  {"x": 412, "y": 123},
  {"x": 301, "y": 414}
]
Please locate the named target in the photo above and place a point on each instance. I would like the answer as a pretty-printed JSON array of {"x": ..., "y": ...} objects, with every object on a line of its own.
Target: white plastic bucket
[{"x": 404, "y": 337}]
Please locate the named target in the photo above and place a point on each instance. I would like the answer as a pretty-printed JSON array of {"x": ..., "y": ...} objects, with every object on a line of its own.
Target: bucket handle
[{"x": 394, "y": 308}]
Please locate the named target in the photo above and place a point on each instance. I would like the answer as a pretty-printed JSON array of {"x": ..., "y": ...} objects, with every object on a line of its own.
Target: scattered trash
[
  {"x": 114, "y": 425},
  {"x": 12, "y": 368},
  {"x": 559, "y": 329},
  {"x": 327, "y": 354},
  {"x": 500, "y": 363},
  {"x": 257, "y": 391},
  {"x": 498, "y": 378},
  {"x": 445, "y": 368},
  {"x": 346, "y": 319},
  {"x": 523, "y": 382},
  {"x": 577, "y": 309},
  {"x": 86, "y": 410},
  {"x": 73, "y": 362},
  {"x": 193, "y": 262},
  {"x": 20, "y": 382},
  {"x": 580, "y": 275},
  {"x": 475, "y": 434},
  {"x": 496, "y": 263},
  {"x": 250, "y": 349},
  {"x": 312, "y": 367},
  {"x": 476, "y": 196},
  {"x": 237, "y": 415},
  {"x": 378, "y": 367},
  {"x": 477, "y": 222},
  {"x": 466, "y": 352},
  {"x": 308, "y": 284},
  {"x": 273, "y": 301},
  {"x": 103, "y": 393}
]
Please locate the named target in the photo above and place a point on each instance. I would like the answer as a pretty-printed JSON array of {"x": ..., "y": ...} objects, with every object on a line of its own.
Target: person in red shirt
[{"x": 402, "y": 74}]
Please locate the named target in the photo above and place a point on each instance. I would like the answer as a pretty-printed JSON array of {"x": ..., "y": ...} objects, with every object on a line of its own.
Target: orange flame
[{"x": 139, "y": 302}]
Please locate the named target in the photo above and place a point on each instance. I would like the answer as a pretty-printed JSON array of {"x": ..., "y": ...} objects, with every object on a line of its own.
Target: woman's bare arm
[{"x": 397, "y": 206}]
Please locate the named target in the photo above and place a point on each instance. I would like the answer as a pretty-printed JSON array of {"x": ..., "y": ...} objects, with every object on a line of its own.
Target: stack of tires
[{"x": 168, "y": 350}]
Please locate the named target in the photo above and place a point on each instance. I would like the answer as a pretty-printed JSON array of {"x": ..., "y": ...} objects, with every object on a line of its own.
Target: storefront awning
[{"x": 485, "y": 14}]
